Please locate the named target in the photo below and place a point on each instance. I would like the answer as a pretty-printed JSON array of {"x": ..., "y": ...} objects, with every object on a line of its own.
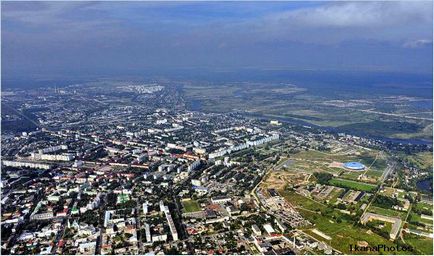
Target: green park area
[
  {"x": 318, "y": 161},
  {"x": 421, "y": 245},
  {"x": 422, "y": 160},
  {"x": 122, "y": 198},
  {"x": 423, "y": 208},
  {"x": 343, "y": 233},
  {"x": 352, "y": 184},
  {"x": 191, "y": 205},
  {"x": 343, "y": 229},
  {"x": 421, "y": 215},
  {"x": 302, "y": 202},
  {"x": 387, "y": 212},
  {"x": 416, "y": 218}
]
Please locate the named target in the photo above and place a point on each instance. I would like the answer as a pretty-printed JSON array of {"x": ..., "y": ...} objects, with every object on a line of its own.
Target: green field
[
  {"x": 390, "y": 128},
  {"x": 387, "y": 212},
  {"x": 420, "y": 206},
  {"x": 334, "y": 195},
  {"x": 423, "y": 160},
  {"x": 372, "y": 173},
  {"x": 317, "y": 161},
  {"x": 343, "y": 234},
  {"x": 350, "y": 175},
  {"x": 426, "y": 132},
  {"x": 191, "y": 206},
  {"x": 352, "y": 184},
  {"x": 418, "y": 218},
  {"x": 297, "y": 103},
  {"x": 373, "y": 161},
  {"x": 301, "y": 201},
  {"x": 422, "y": 245},
  {"x": 318, "y": 156}
]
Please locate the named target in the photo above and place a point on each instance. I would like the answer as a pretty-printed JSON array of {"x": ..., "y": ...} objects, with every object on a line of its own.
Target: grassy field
[
  {"x": 373, "y": 173},
  {"x": 301, "y": 201},
  {"x": 316, "y": 106},
  {"x": 350, "y": 175},
  {"x": 318, "y": 156},
  {"x": 343, "y": 234},
  {"x": 389, "y": 128},
  {"x": 422, "y": 245},
  {"x": 418, "y": 218},
  {"x": 423, "y": 160},
  {"x": 352, "y": 184},
  {"x": 423, "y": 206},
  {"x": 316, "y": 161},
  {"x": 191, "y": 206},
  {"x": 333, "y": 197},
  {"x": 390, "y": 192},
  {"x": 387, "y": 212},
  {"x": 426, "y": 132},
  {"x": 373, "y": 162}
]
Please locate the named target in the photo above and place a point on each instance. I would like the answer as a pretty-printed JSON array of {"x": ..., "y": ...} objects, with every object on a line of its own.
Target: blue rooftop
[{"x": 354, "y": 166}]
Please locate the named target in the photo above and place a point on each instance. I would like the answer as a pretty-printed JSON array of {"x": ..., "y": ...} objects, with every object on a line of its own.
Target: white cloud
[
  {"x": 337, "y": 22},
  {"x": 359, "y": 14},
  {"x": 417, "y": 43}
]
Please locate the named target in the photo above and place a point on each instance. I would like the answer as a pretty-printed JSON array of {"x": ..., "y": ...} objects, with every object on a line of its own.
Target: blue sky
[{"x": 93, "y": 38}]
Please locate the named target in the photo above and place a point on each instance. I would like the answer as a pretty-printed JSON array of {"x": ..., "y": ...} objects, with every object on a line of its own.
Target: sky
[{"x": 64, "y": 39}]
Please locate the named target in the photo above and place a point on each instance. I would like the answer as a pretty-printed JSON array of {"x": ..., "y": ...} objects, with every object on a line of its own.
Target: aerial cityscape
[{"x": 158, "y": 148}]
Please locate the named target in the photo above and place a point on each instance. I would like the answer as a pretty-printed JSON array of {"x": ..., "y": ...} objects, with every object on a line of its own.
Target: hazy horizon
[{"x": 79, "y": 39}]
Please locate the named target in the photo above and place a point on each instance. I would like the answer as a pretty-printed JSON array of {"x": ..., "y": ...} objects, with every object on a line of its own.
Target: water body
[{"x": 425, "y": 185}]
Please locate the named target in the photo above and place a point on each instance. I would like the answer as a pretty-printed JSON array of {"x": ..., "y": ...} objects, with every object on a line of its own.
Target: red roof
[{"x": 61, "y": 243}]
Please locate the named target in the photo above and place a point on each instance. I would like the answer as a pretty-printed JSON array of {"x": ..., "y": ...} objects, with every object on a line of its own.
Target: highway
[{"x": 389, "y": 169}]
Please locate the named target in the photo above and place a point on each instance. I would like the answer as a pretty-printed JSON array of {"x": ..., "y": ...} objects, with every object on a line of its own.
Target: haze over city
[{"x": 52, "y": 39}]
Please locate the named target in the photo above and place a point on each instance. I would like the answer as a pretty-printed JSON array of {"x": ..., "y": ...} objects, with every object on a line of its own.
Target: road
[
  {"x": 22, "y": 115},
  {"x": 317, "y": 240},
  {"x": 403, "y": 223},
  {"x": 61, "y": 231},
  {"x": 392, "y": 114},
  {"x": 19, "y": 227},
  {"x": 389, "y": 169},
  {"x": 253, "y": 192},
  {"x": 183, "y": 235},
  {"x": 138, "y": 224}
]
